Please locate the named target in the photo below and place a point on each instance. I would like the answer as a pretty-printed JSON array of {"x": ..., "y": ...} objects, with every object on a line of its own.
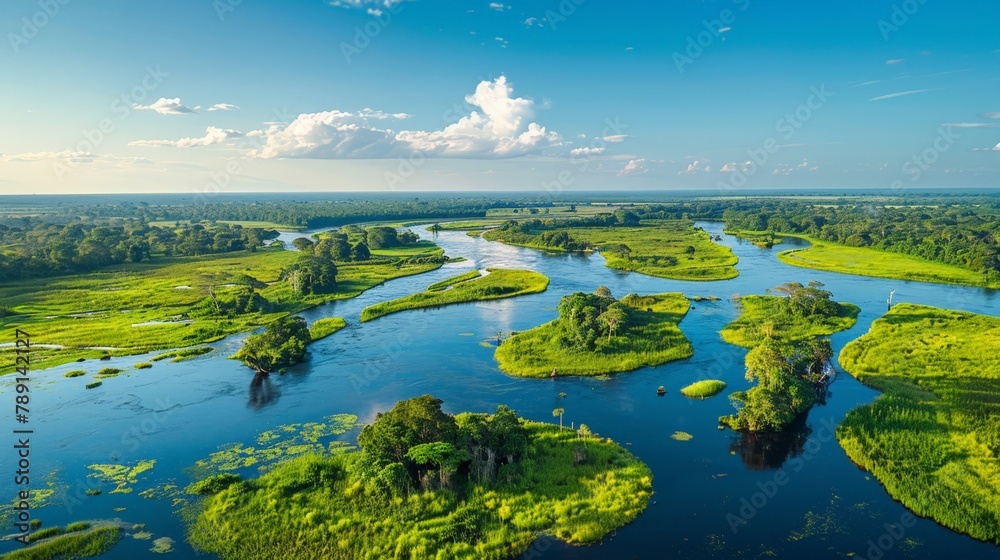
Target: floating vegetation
[
  {"x": 285, "y": 441},
  {"x": 70, "y": 545},
  {"x": 143, "y": 365},
  {"x": 122, "y": 476},
  {"x": 704, "y": 389},
  {"x": 75, "y": 373},
  {"x": 182, "y": 355},
  {"x": 108, "y": 372},
  {"x": 682, "y": 436},
  {"x": 163, "y": 545},
  {"x": 326, "y": 326},
  {"x": 142, "y": 535},
  {"x": 95, "y": 384}
]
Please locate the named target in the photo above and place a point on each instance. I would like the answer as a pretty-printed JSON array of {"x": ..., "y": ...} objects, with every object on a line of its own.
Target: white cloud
[
  {"x": 900, "y": 94},
  {"x": 892, "y": 61},
  {"x": 222, "y": 107},
  {"x": 991, "y": 115},
  {"x": 370, "y": 5},
  {"x": 730, "y": 168},
  {"x": 996, "y": 148},
  {"x": 500, "y": 128},
  {"x": 213, "y": 136},
  {"x": 165, "y": 106},
  {"x": 639, "y": 166},
  {"x": 530, "y": 21},
  {"x": 616, "y": 138},
  {"x": 697, "y": 166},
  {"x": 498, "y": 6},
  {"x": 587, "y": 152},
  {"x": 972, "y": 125},
  {"x": 381, "y": 115},
  {"x": 71, "y": 157}
]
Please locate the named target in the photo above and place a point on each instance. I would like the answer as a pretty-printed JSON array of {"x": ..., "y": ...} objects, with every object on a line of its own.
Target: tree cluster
[
  {"x": 282, "y": 344},
  {"x": 417, "y": 445},
  {"x": 586, "y": 317}
]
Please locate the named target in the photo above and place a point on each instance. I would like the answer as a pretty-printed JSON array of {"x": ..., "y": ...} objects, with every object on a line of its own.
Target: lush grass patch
[
  {"x": 183, "y": 354},
  {"x": 862, "y": 261},
  {"x": 768, "y": 317},
  {"x": 663, "y": 248},
  {"x": 496, "y": 284},
  {"x": 75, "y": 373},
  {"x": 322, "y": 328},
  {"x": 449, "y": 282},
  {"x": 651, "y": 338},
  {"x": 95, "y": 384},
  {"x": 933, "y": 437},
  {"x": 143, "y": 365},
  {"x": 327, "y": 510},
  {"x": 704, "y": 389},
  {"x": 107, "y": 372},
  {"x": 139, "y": 308},
  {"x": 70, "y": 545}
]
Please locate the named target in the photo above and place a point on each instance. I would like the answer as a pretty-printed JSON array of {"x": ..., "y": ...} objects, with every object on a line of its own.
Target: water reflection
[
  {"x": 769, "y": 451},
  {"x": 262, "y": 391}
]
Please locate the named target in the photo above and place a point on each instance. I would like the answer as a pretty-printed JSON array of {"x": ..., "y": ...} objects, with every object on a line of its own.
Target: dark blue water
[{"x": 715, "y": 496}]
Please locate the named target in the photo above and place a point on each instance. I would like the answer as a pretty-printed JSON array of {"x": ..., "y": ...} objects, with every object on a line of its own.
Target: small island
[
  {"x": 788, "y": 361},
  {"x": 800, "y": 313},
  {"x": 933, "y": 437},
  {"x": 596, "y": 334},
  {"x": 493, "y": 283},
  {"x": 427, "y": 484}
]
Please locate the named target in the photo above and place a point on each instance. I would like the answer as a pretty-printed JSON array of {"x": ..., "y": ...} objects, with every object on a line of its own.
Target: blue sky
[{"x": 361, "y": 95}]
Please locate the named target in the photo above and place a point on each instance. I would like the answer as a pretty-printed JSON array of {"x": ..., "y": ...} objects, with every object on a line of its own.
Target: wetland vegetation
[
  {"x": 426, "y": 484},
  {"x": 933, "y": 437},
  {"x": 595, "y": 334},
  {"x": 495, "y": 283},
  {"x": 800, "y": 313}
]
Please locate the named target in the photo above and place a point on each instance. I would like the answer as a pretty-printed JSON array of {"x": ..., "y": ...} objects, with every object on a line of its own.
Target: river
[{"x": 715, "y": 496}]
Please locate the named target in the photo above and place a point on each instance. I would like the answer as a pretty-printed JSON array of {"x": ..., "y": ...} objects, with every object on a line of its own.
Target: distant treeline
[{"x": 49, "y": 249}]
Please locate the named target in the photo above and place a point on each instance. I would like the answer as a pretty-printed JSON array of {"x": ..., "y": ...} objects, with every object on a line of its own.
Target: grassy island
[
  {"x": 322, "y": 328},
  {"x": 472, "y": 286},
  {"x": 778, "y": 317},
  {"x": 933, "y": 437},
  {"x": 472, "y": 486},
  {"x": 77, "y": 540},
  {"x": 664, "y": 248},
  {"x": 862, "y": 261},
  {"x": 704, "y": 389},
  {"x": 597, "y": 335}
]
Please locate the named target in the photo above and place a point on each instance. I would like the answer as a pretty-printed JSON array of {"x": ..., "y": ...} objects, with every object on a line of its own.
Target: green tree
[
  {"x": 283, "y": 343},
  {"x": 559, "y": 412},
  {"x": 302, "y": 244},
  {"x": 360, "y": 252},
  {"x": 410, "y": 423}
]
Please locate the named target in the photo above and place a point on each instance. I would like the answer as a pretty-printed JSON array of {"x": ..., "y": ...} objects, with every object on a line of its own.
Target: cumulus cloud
[
  {"x": 697, "y": 166},
  {"x": 500, "y": 128},
  {"x": 639, "y": 166},
  {"x": 166, "y": 106},
  {"x": 222, "y": 107},
  {"x": 213, "y": 136},
  {"x": 498, "y": 6},
  {"x": 587, "y": 152}
]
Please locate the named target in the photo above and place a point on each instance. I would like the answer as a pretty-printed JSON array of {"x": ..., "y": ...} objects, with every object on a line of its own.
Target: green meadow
[
  {"x": 933, "y": 437},
  {"x": 495, "y": 284},
  {"x": 663, "y": 248},
  {"x": 862, "y": 261},
  {"x": 652, "y": 338},
  {"x": 326, "y": 509},
  {"x": 77, "y": 540},
  {"x": 767, "y": 317},
  {"x": 322, "y": 328},
  {"x": 704, "y": 389},
  {"x": 138, "y": 308}
]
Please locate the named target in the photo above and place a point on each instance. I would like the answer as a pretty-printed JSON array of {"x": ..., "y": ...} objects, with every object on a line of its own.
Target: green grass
[
  {"x": 657, "y": 248},
  {"x": 86, "y": 312},
  {"x": 422, "y": 248},
  {"x": 704, "y": 389},
  {"x": 95, "y": 384},
  {"x": 322, "y": 328},
  {"x": 324, "y": 510},
  {"x": 75, "y": 373},
  {"x": 439, "y": 286},
  {"x": 496, "y": 284},
  {"x": 143, "y": 365},
  {"x": 244, "y": 223},
  {"x": 763, "y": 313},
  {"x": 183, "y": 354},
  {"x": 70, "y": 545},
  {"x": 653, "y": 338},
  {"x": 933, "y": 437},
  {"x": 862, "y": 261}
]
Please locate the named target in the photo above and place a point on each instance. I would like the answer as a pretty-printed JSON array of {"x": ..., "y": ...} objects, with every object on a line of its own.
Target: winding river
[{"x": 715, "y": 495}]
